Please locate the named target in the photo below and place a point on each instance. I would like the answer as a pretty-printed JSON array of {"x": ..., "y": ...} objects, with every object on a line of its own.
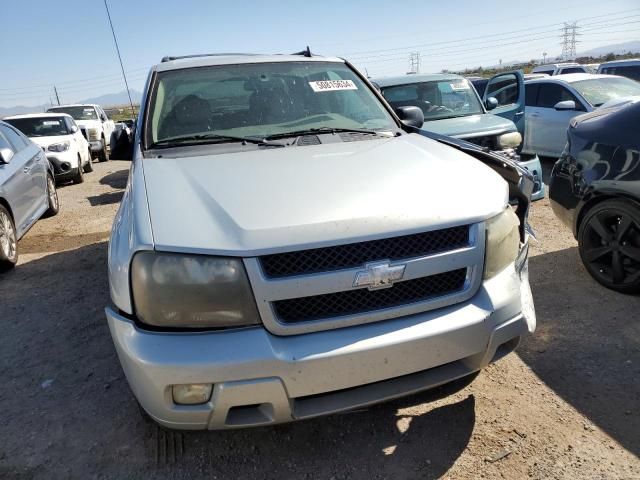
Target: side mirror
[
  {"x": 491, "y": 103},
  {"x": 411, "y": 116},
  {"x": 6, "y": 154},
  {"x": 565, "y": 105},
  {"x": 74, "y": 129},
  {"x": 103, "y": 118}
]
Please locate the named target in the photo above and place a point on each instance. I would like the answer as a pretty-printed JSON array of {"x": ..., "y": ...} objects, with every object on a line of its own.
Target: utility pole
[
  {"x": 414, "y": 62},
  {"x": 57, "y": 97},
  {"x": 569, "y": 32},
  {"x": 126, "y": 84},
  {"x": 544, "y": 57}
]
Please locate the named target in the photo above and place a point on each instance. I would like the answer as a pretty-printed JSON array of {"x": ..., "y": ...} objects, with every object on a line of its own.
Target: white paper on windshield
[
  {"x": 332, "y": 85},
  {"x": 50, "y": 123},
  {"x": 460, "y": 86}
]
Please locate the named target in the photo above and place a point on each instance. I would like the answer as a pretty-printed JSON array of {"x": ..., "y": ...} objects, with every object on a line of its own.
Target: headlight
[
  {"x": 509, "y": 140},
  {"x": 59, "y": 147},
  {"x": 503, "y": 242},
  {"x": 196, "y": 291},
  {"x": 94, "y": 134}
]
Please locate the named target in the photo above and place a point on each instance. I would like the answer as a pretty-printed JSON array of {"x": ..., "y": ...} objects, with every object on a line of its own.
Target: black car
[{"x": 595, "y": 190}]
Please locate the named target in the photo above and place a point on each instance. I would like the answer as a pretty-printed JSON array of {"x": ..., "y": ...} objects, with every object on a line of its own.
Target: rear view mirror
[
  {"x": 411, "y": 116},
  {"x": 565, "y": 105},
  {"x": 6, "y": 154},
  {"x": 491, "y": 103}
]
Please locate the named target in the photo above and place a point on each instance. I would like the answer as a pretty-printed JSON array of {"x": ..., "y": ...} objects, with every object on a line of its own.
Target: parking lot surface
[{"x": 565, "y": 405}]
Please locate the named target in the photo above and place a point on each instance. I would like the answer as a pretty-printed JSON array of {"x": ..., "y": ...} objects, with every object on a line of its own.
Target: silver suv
[{"x": 288, "y": 246}]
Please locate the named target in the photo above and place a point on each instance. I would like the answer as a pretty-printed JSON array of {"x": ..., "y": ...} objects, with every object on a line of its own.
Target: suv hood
[
  {"x": 89, "y": 123},
  {"x": 269, "y": 200},
  {"x": 470, "y": 126},
  {"x": 44, "y": 142}
]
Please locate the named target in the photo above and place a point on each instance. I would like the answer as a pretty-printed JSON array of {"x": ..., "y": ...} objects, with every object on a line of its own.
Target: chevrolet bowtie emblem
[{"x": 379, "y": 275}]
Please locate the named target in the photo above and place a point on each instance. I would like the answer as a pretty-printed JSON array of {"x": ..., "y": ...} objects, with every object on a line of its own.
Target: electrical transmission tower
[
  {"x": 569, "y": 33},
  {"x": 414, "y": 62}
]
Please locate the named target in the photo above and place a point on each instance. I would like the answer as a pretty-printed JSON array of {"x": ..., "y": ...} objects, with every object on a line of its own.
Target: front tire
[
  {"x": 79, "y": 176},
  {"x": 88, "y": 168},
  {"x": 102, "y": 155},
  {"x": 52, "y": 198},
  {"x": 8, "y": 241},
  {"x": 609, "y": 244}
]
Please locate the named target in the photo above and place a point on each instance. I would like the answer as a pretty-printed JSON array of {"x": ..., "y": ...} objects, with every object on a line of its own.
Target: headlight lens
[
  {"x": 503, "y": 242},
  {"x": 194, "y": 291},
  {"x": 509, "y": 140},
  {"x": 59, "y": 147},
  {"x": 94, "y": 134}
]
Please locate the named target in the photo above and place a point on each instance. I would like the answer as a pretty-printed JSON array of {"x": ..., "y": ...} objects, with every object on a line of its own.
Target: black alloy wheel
[{"x": 609, "y": 244}]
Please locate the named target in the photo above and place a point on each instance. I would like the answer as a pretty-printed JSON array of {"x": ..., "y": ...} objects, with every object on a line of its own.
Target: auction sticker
[{"x": 332, "y": 85}]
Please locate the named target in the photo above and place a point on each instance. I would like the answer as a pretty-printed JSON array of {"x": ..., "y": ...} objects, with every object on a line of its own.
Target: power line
[{"x": 133, "y": 111}]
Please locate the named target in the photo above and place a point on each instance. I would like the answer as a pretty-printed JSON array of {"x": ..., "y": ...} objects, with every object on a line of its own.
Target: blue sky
[{"x": 68, "y": 43}]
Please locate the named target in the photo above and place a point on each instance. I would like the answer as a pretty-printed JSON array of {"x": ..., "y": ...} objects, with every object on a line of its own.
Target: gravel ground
[{"x": 566, "y": 405}]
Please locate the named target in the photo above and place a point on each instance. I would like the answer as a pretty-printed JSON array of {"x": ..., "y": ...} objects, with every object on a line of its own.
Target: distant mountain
[
  {"x": 19, "y": 109},
  {"x": 108, "y": 100},
  {"x": 113, "y": 99},
  {"x": 618, "y": 49}
]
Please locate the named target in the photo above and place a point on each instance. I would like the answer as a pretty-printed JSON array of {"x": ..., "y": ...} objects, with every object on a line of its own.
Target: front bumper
[
  {"x": 535, "y": 167},
  {"x": 96, "y": 146},
  {"x": 65, "y": 164},
  {"x": 260, "y": 378}
]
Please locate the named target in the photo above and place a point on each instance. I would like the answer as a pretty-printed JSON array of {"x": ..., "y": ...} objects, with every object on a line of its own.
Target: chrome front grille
[{"x": 315, "y": 289}]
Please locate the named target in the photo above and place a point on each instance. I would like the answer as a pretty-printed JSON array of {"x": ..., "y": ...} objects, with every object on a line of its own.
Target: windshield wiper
[
  {"x": 311, "y": 131},
  {"x": 186, "y": 140}
]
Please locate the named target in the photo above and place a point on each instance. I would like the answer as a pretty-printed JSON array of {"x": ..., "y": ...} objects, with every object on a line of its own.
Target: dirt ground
[{"x": 566, "y": 405}]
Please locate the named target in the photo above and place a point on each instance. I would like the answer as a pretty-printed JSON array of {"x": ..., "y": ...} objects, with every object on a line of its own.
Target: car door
[
  {"x": 508, "y": 89},
  {"x": 107, "y": 125},
  {"x": 77, "y": 139},
  {"x": 547, "y": 125},
  {"x": 15, "y": 182}
]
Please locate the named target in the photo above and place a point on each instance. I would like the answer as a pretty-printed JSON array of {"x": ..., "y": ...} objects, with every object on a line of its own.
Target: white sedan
[
  {"x": 59, "y": 136},
  {"x": 551, "y": 103}
]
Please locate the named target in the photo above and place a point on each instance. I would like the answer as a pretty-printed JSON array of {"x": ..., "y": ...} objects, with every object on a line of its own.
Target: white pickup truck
[{"x": 95, "y": 125}]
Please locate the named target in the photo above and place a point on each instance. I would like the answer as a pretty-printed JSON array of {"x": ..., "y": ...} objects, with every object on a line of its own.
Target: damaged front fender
[{"x": 520, "y": 180}]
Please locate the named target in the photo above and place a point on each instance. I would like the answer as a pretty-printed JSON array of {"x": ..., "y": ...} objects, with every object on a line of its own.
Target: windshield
[
  {"x": 41, "y": 126},
  {"x": 261, "y": 100},
  {"x": 437, "y": 99},
  {"x": 600, "y": 90},
  {"x": 629, "y": 71},
  {"x": 78, "y": 113}
]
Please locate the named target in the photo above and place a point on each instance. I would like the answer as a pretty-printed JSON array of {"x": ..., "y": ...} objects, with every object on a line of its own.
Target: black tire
[
  {"x": 102, "y": 155},
  {"x": 609, "y": 244},
  {"x": 88, "y": 168},
  {"x": 8, "y": 241},
  {"x": 52, "y": 198},
  {"x": 79, "y": 176}
]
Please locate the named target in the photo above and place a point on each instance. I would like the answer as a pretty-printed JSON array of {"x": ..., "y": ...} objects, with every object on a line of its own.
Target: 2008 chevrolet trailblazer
[{"x": 289, "y": 246}]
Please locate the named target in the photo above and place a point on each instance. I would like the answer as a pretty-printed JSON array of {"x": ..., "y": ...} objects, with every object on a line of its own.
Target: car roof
[
  {"x": 37, "y": 115},
  {"x": 415, "y": 78},
  {"x": 570, "y": 78},
  {"x": 559, "y": 65},
  {"x": 615, "y": 63},
  {"x": 178, "y": 63},
  {"x": 75, "y": 105}
]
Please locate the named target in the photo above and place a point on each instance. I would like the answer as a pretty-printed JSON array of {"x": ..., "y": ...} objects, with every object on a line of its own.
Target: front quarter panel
[{"x": 131, "y": 232}]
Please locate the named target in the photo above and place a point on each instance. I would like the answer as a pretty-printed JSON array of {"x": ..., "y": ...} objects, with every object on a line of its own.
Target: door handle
[
  {"x": 519, "y": 114},
  {"x": 535, "y": 114}
]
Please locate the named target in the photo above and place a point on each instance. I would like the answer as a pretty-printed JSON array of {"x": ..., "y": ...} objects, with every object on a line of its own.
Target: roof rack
[
  {"x": 170, "y": 58},
  {"x": 306, "y": 52}
]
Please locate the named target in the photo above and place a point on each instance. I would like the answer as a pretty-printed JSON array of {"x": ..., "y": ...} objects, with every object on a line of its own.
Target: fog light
[{"x": 192, "y": 394}]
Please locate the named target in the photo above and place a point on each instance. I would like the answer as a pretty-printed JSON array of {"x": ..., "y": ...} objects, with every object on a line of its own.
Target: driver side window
[{"x": 503, "y": 88}]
